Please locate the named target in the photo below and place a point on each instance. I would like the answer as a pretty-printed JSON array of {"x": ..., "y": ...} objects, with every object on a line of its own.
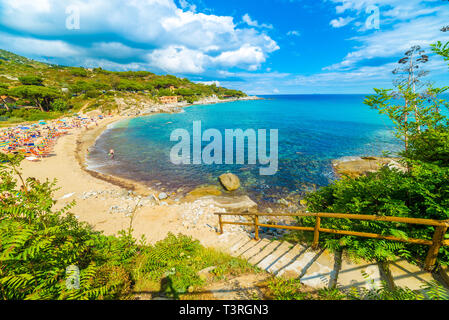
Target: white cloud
[
  {"x": 154, "y": 33},
  {"x": 178, "y": 59},
  {"x": 253, "y": 23},
  {"x": 294, "y": 33},
  {"x": 249, "y": 56},
  {"x": 46, "y": 48},
  {"x": 391, "y": 11},
  {"x": 340, "y": 22},
  {"x": 188, "y": 6},
  {"x": 394, "y": 42}
]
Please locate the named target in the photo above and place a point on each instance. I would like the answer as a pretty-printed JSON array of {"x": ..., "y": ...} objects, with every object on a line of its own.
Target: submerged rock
[
  {"x": 230, "y": 181},
  {"x": 205, "y": 191}
]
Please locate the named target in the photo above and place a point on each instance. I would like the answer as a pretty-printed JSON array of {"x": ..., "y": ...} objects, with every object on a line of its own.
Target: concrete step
[
  {"x": 239, "y": 244},
  {"x": 286, "y": 259},
  {"x": 236, "y": 239},
  {"x": 267, "y": 251},
  {"x": 322, "y": 273},
  {"x": 363, "y": 275},
  {"x": 267, "y": 262},
  {"x": 407, "y": 275},
  {"x": 258, "y": 246},
  {"x": 251, "y": 243},
  {"x": 444, "y": 275},
  {"x": 298, "y": 267}
]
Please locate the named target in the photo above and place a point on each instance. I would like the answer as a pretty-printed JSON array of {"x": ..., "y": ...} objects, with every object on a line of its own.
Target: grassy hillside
[{"x": 45, "y": 91}]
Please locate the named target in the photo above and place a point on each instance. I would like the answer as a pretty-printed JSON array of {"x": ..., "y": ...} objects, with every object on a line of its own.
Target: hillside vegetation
[{"x": 44, "y": 91}]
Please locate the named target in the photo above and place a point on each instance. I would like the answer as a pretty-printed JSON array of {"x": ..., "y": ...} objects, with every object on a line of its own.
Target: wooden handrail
[
  {"x": 435, "y": 244},
  {"x": 428, "y": 222}
]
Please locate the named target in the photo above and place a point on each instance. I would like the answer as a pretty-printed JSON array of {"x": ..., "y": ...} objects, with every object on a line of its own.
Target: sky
[{"x": 258, "y": 46}]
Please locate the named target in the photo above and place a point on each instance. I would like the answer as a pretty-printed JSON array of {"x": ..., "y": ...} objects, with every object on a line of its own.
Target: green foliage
[
  {"x": 78, "y": 72},
  {"x": 175, "y": 262},
  {"x": 31, "y": 80},
  {"x": 419, "y": 192},
  {"x": 37, "y": 244},
  {"x": 441, "y": 49},
  {"x": 41, "y": 96},
  {"x": 129, "y": 85},
  {"x": 281, "y": 289},
  {"x": 85, "y": 85},
  {"x": 21, "y": 115},
  {"x": 59, "y": 105}
]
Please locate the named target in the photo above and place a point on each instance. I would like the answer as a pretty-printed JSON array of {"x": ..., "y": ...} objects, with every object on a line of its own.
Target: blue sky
[{"x": 261, "y": 47}]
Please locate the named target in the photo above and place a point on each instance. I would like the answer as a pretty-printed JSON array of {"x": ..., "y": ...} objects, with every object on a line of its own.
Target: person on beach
[{"x": 111, "y": 154}]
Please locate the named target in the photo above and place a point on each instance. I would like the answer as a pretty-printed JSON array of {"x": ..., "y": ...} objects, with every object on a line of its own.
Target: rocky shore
[
  {"x": 133, "y": 107},
  {"x": 357, "y": 166}
]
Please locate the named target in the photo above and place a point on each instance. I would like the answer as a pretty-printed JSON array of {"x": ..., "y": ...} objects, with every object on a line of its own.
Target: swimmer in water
[{"x": 111, "y": 154}]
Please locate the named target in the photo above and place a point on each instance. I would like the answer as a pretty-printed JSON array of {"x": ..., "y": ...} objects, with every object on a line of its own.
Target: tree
[
  {"x": 81, "y": 87},
  {"x": 4, "y": 91},
  {"x": 59, "y": 105},
  {"x": 78, "y": 72},
  {"x": 41, "y": 96},
  {"x": 420, "y": 192},
  {"x": 442, "y": 49},
  {"x": 31, "y": 80},
  {"x": 409, "y": 75}
]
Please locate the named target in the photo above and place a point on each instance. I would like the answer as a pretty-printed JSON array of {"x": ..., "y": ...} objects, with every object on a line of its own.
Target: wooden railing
[{"x": 435, "y": 244}]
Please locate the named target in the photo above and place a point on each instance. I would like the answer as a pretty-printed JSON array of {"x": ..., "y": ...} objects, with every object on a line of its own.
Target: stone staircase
[{"x": 321, "y": 269}]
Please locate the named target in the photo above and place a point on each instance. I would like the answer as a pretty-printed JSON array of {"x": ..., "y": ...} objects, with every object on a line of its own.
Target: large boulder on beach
[{"x": 230, "y": 181}]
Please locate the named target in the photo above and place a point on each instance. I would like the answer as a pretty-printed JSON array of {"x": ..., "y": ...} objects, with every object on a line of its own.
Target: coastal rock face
[
  {"x": 357, "y": 166},
  {"x": 230, "y": 181}
]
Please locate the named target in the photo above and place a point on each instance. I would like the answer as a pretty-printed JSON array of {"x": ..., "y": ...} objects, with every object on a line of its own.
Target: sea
[{"x": 312, "y": 130}]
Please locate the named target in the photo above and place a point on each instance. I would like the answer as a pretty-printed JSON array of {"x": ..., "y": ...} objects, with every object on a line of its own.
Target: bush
[
  {"x": 31, "y": 80},
  {"x": 422, "y": 193},
  {"x": 59, "y": 105}
]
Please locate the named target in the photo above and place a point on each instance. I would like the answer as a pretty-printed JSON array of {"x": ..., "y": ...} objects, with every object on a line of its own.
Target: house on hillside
[
  {"x": 169, "y": 99},
  {"x": 172, "y": 88}
]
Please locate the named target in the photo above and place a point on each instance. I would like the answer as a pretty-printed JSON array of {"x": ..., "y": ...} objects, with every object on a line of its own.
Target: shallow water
[{"x": 313, "y": 130}]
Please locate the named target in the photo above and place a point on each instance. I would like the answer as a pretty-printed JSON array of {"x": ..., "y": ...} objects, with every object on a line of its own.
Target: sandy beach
[{"x": 107, "y": 203}]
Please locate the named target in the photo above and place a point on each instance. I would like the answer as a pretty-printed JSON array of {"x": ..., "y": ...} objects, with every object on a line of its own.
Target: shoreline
[
  {"x": 85, "y": 141},
  {"x": 88, "y": 139}
]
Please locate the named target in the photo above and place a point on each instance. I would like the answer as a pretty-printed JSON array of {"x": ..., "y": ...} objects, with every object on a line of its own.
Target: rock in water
[{"x": 230, "y": 181}]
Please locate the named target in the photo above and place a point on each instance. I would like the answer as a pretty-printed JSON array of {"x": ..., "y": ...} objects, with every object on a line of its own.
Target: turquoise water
[{"x": 313, "y": 130}]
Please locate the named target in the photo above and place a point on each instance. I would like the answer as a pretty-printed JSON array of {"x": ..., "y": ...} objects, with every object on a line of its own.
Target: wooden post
[
  {"x": 256, "y": 227},
  {"x": 316, "y": 233},
  {"x": 221, "y": 223},
  {"x": 432, "y": 255}
]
